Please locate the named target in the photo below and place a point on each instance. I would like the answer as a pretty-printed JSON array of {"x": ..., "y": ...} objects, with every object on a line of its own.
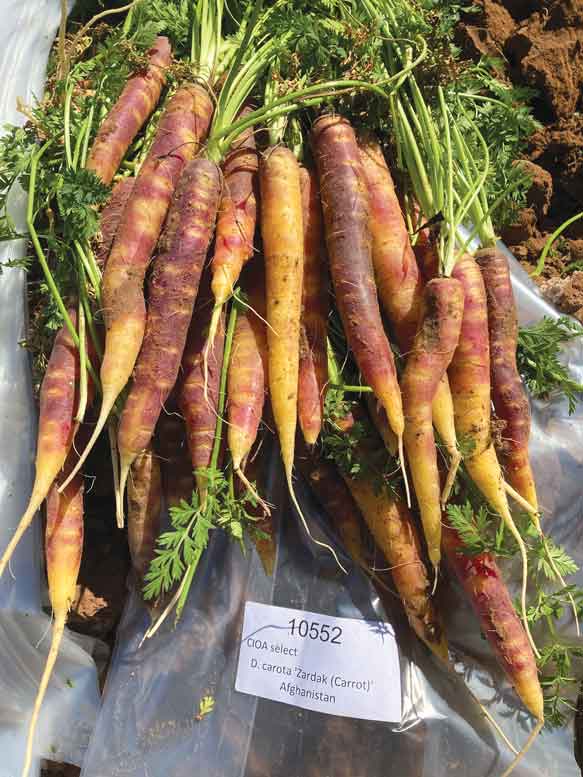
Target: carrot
[
  {"x": 110, "y": 218},
  {"x": 508, "y": 394},
  {"x": 334, "y": 496},
  {"x": 283, "y": 247},
  {"x": 397, "y": 275},
  {"x": 144, "y": 508},
  {"x": 247, "y": 378},
  {"x": 173, "y": 287},
  {"x": 182, "y": 127},
  {"x": 400, "y": 282},
  {"x": 133, "y": 107},
  {"x": 391, "y": 524},
  {"x": 58, "y": 399},
  {"x": 200, "y": 411},
  {"x": 435, "y": 342},
  {"x": 313, "y": 375},
  {"x": 63, "y": 548},
  {"x": 469, "y": 376},
  {"x": 282, "y": 232},
  {"x": 482, "y": 581},
  {"x": 236, "y": 220},
  {"x": 346, "y": 221},
  {"x": 175, "y": 466},
  {"x": 262, "y": 530},
  {"x": 381, "y": 424}
]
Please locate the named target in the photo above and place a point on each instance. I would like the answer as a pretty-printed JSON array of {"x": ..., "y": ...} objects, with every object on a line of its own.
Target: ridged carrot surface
[
  {"x": 482, "y": 581},
  {"x": 437, "y": 336},
  {"x": 56, "y": 426},
  {"x": 200, "y": 410},
  {"x": 237, "y": 216},
  {"x": 508, "y": 394},
  {"x": 282, "y": 232},
  {"x": 173, "y": 287},
  {"x": 345, "y": 203},
  {"x": 313, "y": 375},
  {"x": 133, "y": 107},
  {"x": 110, "y": 218},
  {"x": 247, "y": 376},
  {"x": 182, "y": 127},
  {"x": 391, "y": 524},
  {"x": 63, "y": 551},
  {"x": 144, "y": 508}
]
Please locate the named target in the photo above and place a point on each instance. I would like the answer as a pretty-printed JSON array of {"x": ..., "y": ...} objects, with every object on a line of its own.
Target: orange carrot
[
  {"x": 173, "y": 287},
  {"x": 334, "y": 496},
  {"x": 435, "y": 342},
  {"x": 399, "y": 280},
  {"x": 63, "y": 548},
  {"x": 508, "y": 394},
  {"x": 469, "y": 375},
  {"x": 136, "y": 102},
  {"x": 182, "y": 127},
  {"x": 313, "y": 376},
  {"x": 56, "y": 428},
  {"x": 144, "y": 508},
  {"x": 482, "y": 581},
  {"x": 236, "y": 220},
  {"x": 346, "y": 219},
  {"x": 247, "y": 376},
  {"x": 110, "y": 218},
  {"x": 200, "y": 410},
  {"x": 392, "y": 526},
  {"x": 397, "y": 275}
]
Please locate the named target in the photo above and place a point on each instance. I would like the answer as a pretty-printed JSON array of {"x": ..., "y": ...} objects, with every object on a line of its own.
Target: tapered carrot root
[
  {"x": 182, "y": 127},
  {"x": 393, "y": 529},
  {"x": 63, "y": 547},
  {"x": 436, "y": 339},
  {"x": 469, "y": 372},
  {"x": 313, "y": 375},
  {"x": 333, "y": 494},
  {"x": 508, "y": 394},
  {"x": 346, "y": 220},
  {"x": 137, "y": 101},
  {"x": 58, "y": 399},
  {"x": 198, "y": 407},
  {"x": 397, "y": 275},
  {"x": 172, "y": 449},
  {"x": 173, "y": 287},
  {"x": 144, "y": 508},
  {"x": 469, "y": 375},
  {"x": 444, "y": 421},
  {"x": 237, "y": 216},
  {"x": 247, "y": 377},
  {"x": 482, "y": 581},
  {"x": 263, "y": 535},
  {"x": 282, "y": 232},
  {"x": 236, "y": 220},
  {"x": 283, "y": 247},
  {"x": 110, "y": 219}
]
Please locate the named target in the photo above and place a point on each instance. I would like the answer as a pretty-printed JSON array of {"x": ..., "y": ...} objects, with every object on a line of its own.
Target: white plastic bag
[{"x": 68, "y": 713}]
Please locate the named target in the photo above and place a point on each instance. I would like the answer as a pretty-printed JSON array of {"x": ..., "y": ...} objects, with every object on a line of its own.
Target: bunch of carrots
[{"x": 249, "y": 272}]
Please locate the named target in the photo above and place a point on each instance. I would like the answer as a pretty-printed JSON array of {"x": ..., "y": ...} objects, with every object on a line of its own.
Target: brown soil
[{"x": 541, "y": 44}]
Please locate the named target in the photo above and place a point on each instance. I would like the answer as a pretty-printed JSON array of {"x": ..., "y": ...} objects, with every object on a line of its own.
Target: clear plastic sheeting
[
  {"x": 148, "y": 725},
  {"x": 28, "y": 30}
]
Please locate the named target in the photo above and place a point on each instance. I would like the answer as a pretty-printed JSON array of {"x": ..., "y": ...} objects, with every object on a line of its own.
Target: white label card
[{"x": 339, "y": 666}]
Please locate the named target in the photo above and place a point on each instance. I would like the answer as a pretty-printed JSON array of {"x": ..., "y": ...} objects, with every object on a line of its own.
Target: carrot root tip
[{"x": 454, "y": 463}]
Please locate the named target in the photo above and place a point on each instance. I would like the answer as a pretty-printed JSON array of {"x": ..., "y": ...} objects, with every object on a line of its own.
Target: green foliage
[
  {"x": 538, "y": 359},
  {"x": 78, "y": 193},
  {"x": 181, "y": 548},
  {"x": 557, "y": 676}
]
